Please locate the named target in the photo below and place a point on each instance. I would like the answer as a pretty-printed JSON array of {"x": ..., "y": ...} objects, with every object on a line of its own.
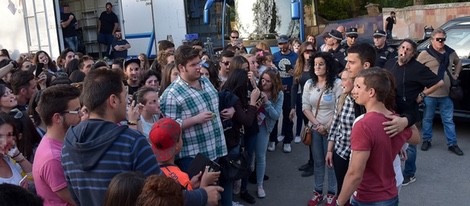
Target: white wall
[
  {"x": 12, "y": 32},
  {"x": 170, "y": 20}
]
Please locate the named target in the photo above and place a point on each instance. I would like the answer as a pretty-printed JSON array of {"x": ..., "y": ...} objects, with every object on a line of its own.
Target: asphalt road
[{"x": 443, "y": 178}]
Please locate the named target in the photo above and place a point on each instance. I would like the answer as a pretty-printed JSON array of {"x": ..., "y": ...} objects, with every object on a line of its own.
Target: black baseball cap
[
  {"x": 351, "y": 32},
  {"x": 379, "y": 33}
]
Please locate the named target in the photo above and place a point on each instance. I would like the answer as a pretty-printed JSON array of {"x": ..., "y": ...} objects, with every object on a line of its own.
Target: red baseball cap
[{"x": 164, "y": 136}]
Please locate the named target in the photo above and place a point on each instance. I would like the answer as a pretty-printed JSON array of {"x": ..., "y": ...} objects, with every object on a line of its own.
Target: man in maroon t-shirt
[{"x": 370, "y": 177}]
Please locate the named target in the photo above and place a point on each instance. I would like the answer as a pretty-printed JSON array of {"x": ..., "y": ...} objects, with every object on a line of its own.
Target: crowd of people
[{"x": 79, "y": 132}]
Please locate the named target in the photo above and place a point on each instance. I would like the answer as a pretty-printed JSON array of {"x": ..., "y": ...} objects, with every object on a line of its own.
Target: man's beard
[{"x": 404, "y": 59}]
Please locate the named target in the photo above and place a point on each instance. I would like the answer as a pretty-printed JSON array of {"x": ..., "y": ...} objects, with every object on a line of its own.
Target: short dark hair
[
  {"x": 392, "y": 12},
  {"x": 184, "y": 54},
  {"x": 64, "y": 52},
  {"x": 55, "y": 99},
  {"x": 109, "y": 3},
  {"x": 227, "y": 53},
  {"x": 413, "y": 44},
  {"x": 120, "y": 62},
  {"x": 16, "y": 195},
  {"x": 98, "y": 85},
  {"x": 19, "y": 80},
  {"x": 99, "y": 64},
  {"x": 84, "y": 59},
  {"x": 164, "y": 45},
  {"x": 365, "y": 52},
  {"x": 147, "y": 74}
]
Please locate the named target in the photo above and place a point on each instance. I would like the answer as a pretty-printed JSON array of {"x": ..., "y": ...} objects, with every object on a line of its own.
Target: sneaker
[
  {"x": 287, "y": 148},
  {"x": 271, "y": 146},
  {"x": 236, "y": 203},
  {"x": 330, "y": 200},
  {"x": 317, "y": 198},
  {"x": 297, "y": 139},
  {"x": 408, "y": 180},
  {"x": 455, "y": 149},
  {"x": 245, "y": 196},
  {"x": 236, "y": 187},
  {"x": 426, "y": 145},
  {"x": 261, "y": 193},
  {"x": 280, "y": 138}
]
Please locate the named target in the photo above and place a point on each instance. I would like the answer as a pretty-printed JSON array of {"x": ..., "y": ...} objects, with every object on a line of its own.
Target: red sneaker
[
  {"x": 330, "y": 200},
  {"x": 317, "y": 197}
]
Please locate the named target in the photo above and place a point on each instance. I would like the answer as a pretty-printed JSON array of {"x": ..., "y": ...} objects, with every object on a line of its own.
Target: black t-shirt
[
  {"x": 68, "y": 31},
  {"x": 390, "y": 22},
  {"x": 107, "y": 22},
  {"x": 410, "y": 80}
]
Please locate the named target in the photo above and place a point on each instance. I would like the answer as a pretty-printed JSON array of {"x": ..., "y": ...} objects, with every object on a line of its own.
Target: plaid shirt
[
  {"x": 180, "y": 101},
  {"x": 340, "y": 130}
]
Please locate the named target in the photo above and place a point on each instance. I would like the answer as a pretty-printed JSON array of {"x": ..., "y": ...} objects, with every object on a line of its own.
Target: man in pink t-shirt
[
  {"x": 59, "y": 108},
  {"x": 370, "y": 177}
]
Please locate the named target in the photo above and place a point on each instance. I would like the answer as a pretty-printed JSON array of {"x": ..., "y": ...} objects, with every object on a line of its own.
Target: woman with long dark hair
[{"x": 318, "y": 104}]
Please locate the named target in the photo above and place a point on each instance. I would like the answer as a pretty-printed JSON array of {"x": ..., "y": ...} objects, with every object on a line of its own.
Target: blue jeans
[
  {"x": 390, "y": 202},
  {"x": 287, "y": 124},
  {"x": 410, "y": 163},
  {"x": 299, "y": 114},
  {"x": 446, "y": 108},
  {"x": 226, "y": 195},
  {"x": 260, "y": 152},
  {"x": 71, "y": 42},
  {"x": 389, "y": 34},
  {"x": 319, "y": 149},
  {"x": 107, "y": 40}
]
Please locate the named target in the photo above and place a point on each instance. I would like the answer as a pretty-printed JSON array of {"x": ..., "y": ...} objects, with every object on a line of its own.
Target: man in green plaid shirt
[{"x": 194, "y": 103}]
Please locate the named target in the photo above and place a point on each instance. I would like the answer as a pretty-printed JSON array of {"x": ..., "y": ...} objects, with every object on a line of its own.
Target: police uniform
[
  {"x": 385, "y": 53},
  {"x": 339, "y": 54}
]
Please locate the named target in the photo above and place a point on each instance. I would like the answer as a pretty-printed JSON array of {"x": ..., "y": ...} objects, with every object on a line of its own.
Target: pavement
[{"x": 443, "y": 178}]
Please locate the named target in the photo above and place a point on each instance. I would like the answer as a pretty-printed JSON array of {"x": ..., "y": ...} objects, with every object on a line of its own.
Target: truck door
[{"x": 41, "y": 18}]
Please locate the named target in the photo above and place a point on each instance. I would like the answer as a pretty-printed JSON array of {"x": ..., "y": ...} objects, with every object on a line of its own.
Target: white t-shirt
[{"x": 15, "y": 169}]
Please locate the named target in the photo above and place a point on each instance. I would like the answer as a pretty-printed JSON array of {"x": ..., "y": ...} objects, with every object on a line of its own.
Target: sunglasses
[
  {"x": 308, "y": 51},
  {"x": 225, "y": 63},
  {"x": 234, "y": 37},
  {"x": 440, "y": 39}
]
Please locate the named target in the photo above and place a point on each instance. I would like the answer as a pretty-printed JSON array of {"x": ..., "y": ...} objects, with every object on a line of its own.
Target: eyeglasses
[
  {"x": 440, "y": 39},
  {"x": 77, "y": 111},
  {"x": 225, "y": 63},
  {"x": 234, "y": 37}
]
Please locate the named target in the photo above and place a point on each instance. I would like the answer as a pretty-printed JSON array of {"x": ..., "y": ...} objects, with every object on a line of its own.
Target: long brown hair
[
  {"x": 124, "y": 189},
  {"x": 299, "y": 65},
  {"x": 275, "y": 81}
]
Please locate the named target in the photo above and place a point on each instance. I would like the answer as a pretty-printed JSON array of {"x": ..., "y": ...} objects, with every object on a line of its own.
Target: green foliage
[{"x": 334, "y": 9}]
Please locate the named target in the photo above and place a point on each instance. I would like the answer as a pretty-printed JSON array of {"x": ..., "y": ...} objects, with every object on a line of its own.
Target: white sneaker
[
  {"x": 271, "y": 146},
  {"x": 261, "y": 193},
  {"x": 236, "y": 187},
  {"x": 297, "y": 139},
  {"x": 236, "y": 203},
  {"x": 280, "y": 138},
  {"x": 287, "y": 148}
]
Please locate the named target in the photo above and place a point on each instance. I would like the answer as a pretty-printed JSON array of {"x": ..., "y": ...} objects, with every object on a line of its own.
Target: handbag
[
  {"x": 306, "y": 133},
  {"x": 234, "y": 167},
  {"x": 455, "y": 90}
]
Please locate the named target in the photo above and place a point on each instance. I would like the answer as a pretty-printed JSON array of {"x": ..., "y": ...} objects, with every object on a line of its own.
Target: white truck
[{"x": 33, "y": 25}]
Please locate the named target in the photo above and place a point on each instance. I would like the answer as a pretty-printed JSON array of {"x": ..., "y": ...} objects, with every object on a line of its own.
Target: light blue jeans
[
  {"x": 319, "y": 149},
  {"x": 390, "y": 202},
  {"x": 260, "y": 153},
  {"x": 410, "y": 162},
  {"x": 71, "y": 43},
  {"x": 446, "y": 109}
]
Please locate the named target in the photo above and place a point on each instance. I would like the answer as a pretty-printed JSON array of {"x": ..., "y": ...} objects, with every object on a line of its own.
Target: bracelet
[
  {"x": 131, "y": 123},
  {"x": 22, "y": 158}
]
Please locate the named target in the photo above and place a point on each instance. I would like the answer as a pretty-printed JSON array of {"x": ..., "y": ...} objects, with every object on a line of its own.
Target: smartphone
[
  {"x": 134, "y": 99},
  {"x": 39, "y": 68},
  {"x": 288, "y": 67},
  {"x": 213, "y": 166}
]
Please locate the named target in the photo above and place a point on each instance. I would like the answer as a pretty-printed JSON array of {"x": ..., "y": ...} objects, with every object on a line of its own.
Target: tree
[{"x": 266, "y": 17}]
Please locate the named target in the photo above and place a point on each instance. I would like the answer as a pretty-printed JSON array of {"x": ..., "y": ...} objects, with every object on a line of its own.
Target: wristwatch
[{"x": 422, "y": 95}]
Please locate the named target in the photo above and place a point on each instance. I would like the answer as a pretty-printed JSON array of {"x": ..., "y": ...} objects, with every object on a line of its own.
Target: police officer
[
  {"x": 351, "y": 37},
  {"x": 384, "y": 52},
  {"x": 333, "y": 41}
]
